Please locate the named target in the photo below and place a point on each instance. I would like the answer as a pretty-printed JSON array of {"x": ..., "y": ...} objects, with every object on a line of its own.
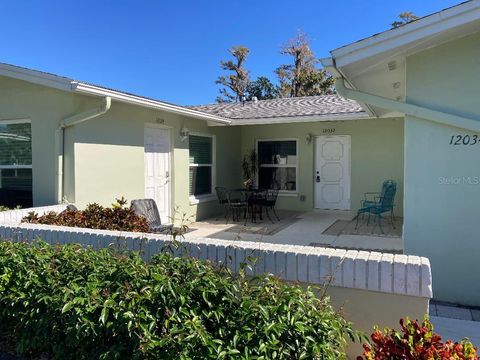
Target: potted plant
[{"x": 249, "y": 166}]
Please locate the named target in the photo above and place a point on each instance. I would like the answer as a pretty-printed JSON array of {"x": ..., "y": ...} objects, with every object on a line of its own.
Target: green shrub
[
  {"x": 77, "y": 303},
  {"x": 118, "y": 217}
]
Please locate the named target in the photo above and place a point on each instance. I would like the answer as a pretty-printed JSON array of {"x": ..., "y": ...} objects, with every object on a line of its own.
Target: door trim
[
  {"x": 349, "y": 202},
  {"x": 171, "y": 168}
]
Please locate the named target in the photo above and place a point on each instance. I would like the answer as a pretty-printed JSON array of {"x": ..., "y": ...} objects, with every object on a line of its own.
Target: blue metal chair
[{"x": 381, "y": 203}]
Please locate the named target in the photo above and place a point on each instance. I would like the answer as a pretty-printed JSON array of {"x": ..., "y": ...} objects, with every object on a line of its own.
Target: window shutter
[{"x": 200, "y": 148}]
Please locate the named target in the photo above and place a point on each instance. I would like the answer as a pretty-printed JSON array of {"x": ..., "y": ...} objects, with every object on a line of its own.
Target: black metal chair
[
  {"x": 148, "y": 209},
  {"x": 222, "y": 196},
  {"x": 255, "y": 203},
  {"x": 237, "y": 202},
  {"x": 269, "y": 202}
]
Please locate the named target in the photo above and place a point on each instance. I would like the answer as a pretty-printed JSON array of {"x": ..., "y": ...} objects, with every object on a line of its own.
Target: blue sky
[{"x": 170, "y": 50}]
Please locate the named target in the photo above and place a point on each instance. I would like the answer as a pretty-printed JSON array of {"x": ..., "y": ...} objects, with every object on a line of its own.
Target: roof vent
[
  {"x": 392, "y": 65},
  {"x": 254, "y": 99},
  {"x": 243, "y": 99}
]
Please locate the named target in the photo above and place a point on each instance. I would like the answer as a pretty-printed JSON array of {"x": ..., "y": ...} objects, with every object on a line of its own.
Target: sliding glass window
[{"x": 15, "y": 163}]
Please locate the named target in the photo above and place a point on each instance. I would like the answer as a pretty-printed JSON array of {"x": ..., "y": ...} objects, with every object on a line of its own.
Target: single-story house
[
  {"x": 407, "y": 112},
  {"x": 94, "y": 144}
]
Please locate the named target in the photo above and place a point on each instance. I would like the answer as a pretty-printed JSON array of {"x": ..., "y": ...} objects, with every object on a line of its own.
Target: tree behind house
[
  {"x": 404, "y": 18},
  {"x": 236, "y": 81},
  {"x": 302, "y": 77},
  {"x": 262, "y": 89}
]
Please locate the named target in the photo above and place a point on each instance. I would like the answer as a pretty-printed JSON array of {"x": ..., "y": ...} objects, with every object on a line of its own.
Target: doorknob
[{"x": 167, "y": 174}]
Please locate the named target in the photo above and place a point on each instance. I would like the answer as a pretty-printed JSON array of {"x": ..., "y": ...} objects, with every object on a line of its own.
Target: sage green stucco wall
[
  {"x": 376, "y": 155},
  {"x": 442, "y": 191},
  {"x": 109, "y": 157},
  {"x": 104, "y": 156},
  {"x": 45, "y": 107}
]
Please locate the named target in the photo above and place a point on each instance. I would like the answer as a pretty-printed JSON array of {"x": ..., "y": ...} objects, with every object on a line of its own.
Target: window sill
[
  {"x": 288, "y": 193},
  {"x": 202, "y": 198}
]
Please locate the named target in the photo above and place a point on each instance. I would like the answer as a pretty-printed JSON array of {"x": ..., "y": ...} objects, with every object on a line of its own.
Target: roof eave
[
  {"x": 300, "y": 119},
  {"x": 141, "y": 101},
  {"x": 70, "y": 85},
  {"x": 36, "y": 77},
  {"x": 406, "y": 34}
]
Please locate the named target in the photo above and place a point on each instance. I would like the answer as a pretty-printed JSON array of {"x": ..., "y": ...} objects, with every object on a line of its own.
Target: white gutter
[
  {"x": 408, "y": 109},
  {"x": 138, "y": 100},
  {"x": 299, "y": 119},
  {"x": 60, "y": 134},
  {"x": 66, "y": 84}
]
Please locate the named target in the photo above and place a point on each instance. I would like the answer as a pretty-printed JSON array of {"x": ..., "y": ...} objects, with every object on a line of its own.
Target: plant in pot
[{"x": 249, "y": 166}]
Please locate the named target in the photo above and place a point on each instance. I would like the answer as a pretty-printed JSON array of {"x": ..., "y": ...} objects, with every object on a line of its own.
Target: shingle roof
[
  {"x": 322, "y": 105},
  {"x": 302, "y": 108}
]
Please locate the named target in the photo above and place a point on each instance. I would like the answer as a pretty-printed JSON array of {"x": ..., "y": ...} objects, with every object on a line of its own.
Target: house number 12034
[{"x": 464, "y": 140}]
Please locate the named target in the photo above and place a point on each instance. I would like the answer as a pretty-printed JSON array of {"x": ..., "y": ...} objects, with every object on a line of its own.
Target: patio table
[{"x": 253, "y": 197}]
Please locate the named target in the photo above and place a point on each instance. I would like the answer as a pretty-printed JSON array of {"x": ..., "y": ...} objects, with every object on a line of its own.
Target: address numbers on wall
[{"x": 464, "y": 140}]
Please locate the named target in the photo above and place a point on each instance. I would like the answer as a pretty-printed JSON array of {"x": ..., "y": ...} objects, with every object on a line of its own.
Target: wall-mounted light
[
  {"x": 309, "y": 138},
  {"x": 184, "y": 132}
]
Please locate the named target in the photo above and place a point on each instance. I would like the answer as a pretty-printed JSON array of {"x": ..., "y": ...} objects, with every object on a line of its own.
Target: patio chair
[
  {"x": 269, "y": 202},
  {"x": 237, "y": 202},
  {"x": 148, "y": 209},
  {"x": 381, "y": 203},
  {"x": 71, "y": 207},
  {"x": 222, "y": 197},
  {"x": 255, "y": 203}
]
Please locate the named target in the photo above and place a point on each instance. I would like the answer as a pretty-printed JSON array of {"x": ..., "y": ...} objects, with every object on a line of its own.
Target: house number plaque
[
  {"x": 464, "y": 140},
  {"x": 328, "y": 131}
]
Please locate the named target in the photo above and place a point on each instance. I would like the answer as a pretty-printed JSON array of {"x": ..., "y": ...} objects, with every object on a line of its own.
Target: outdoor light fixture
[
  {"x": 309, "y": 138},
  {"x": 184, "y": 133}
]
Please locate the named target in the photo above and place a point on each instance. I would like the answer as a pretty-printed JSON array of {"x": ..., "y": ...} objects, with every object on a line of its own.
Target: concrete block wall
[
  {"x": 370, "y": 271},
  {"x": 15, "y": 216}
]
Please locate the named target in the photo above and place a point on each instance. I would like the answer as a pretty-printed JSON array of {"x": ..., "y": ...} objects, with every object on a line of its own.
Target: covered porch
[{"x": 323, "y": 228}]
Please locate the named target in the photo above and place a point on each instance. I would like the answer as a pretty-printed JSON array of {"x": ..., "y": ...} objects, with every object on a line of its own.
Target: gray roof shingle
[{"x": 285, "y": 107}]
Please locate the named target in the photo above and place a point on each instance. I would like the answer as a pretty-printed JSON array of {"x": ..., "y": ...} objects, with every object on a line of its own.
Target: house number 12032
[{"x": 464, "y": 140}]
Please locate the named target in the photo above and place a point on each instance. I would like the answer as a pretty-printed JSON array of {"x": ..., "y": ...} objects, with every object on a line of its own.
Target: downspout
[
  {"x": 406, "y": 108},
  {"x": 60, "y": 136}
]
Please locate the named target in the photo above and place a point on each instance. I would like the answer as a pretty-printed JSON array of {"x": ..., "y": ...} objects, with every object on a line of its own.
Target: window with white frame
[
  {"x": 277, "y": 164},
  {"x": 15, "y": 163},
  {"x": 201, "y": 159}
]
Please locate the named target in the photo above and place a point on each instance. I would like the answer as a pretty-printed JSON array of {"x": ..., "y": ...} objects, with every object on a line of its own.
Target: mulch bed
[{"x": 7, "y": 349}]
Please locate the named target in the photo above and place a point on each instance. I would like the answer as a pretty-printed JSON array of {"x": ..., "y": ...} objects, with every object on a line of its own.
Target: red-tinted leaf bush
[
  {"x": 417, "y": 342},
  {"x": 95, "y": 216}
]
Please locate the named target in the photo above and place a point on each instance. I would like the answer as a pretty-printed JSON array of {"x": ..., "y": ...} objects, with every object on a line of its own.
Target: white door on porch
[
  {"x": 157, "y": 169},
  {"x": 332, "y": 172}
]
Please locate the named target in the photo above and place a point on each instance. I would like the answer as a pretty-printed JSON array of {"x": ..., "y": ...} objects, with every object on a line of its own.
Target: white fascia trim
[
  {"x": 415, "y": 31},
  {"x": 36, "y": 77},
  {"x": 409, "y": 109},
  {"x": 299, "y": 119},
  {"x": 137, "y": 100}
]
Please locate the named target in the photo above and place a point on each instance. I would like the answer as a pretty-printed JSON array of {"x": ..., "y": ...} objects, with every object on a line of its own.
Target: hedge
[{"x": 78, "y": 303}]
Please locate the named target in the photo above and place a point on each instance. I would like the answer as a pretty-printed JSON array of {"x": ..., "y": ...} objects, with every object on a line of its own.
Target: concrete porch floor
[{"x": 305, "y": 229}]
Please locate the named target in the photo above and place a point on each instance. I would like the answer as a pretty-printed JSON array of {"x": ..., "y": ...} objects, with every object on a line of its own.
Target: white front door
[
  {"x": 332, "y": 172},
  {"x": 157, "y": 169}
]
